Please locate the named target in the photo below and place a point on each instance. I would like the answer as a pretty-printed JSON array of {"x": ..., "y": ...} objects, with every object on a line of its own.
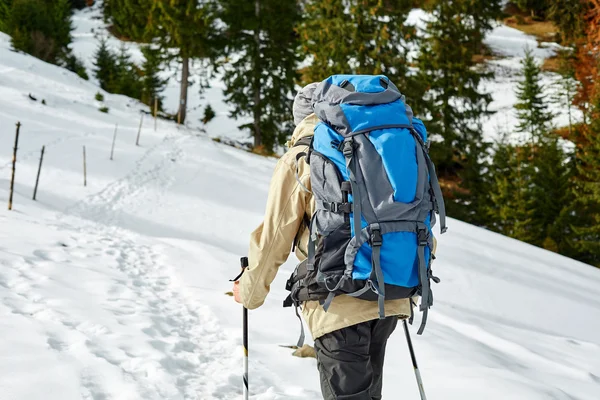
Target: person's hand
[{"x": 236, "y": 292}]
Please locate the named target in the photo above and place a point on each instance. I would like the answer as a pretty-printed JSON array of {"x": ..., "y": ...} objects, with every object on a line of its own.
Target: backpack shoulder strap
[
  {"x": 305, "y": 141},
  {"x": 296, "y": 242}
]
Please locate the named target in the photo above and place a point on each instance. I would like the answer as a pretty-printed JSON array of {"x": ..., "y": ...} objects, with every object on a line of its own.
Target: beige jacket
[{"x": 271, "y": 243}]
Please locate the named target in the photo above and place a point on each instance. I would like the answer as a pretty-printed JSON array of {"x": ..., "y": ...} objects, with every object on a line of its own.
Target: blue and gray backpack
[{"x": 376, "y": 195}]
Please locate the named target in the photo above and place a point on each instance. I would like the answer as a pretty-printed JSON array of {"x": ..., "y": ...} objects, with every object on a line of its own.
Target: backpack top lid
[{"x": 354, "y": 104}]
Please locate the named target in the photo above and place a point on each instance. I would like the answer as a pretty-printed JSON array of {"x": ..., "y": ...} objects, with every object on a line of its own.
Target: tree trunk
[
  {"x": 185, "y": 73},
  {"x": 256, "y": 82},
  {"x": 569, "y": 102}
]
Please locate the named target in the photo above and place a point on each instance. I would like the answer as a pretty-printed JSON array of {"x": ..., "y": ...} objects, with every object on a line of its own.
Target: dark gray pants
[{"x": 350, "y": 360}]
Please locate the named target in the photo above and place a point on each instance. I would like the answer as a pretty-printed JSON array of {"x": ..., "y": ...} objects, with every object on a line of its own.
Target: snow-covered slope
[
  {"x": 116, "y": 290},
  {"x": 89, "y": 28}
]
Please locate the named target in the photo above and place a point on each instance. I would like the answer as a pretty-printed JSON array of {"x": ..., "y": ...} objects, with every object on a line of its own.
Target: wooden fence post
[
  {"x": 37, "y": 180},
  {"x": 14, "y": 163},
  {"x": 137, "y": 141},
  {"x": 155, "y": 112},
  {"x": 112, "y": 150},
  {"x": 84, "y": 168}
]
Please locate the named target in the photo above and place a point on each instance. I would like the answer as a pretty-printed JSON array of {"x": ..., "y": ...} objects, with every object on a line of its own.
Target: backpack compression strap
[
  {"x": 423, "y": 235},
  {"x": 376, "y": 242},
  {"x": 305, "y": 141},
  {"x": 440, "y": 207},
  {"x": 348, "y": 150},
  {"x": 376, "y": 238},
  {"x": 427, "y": 295}
]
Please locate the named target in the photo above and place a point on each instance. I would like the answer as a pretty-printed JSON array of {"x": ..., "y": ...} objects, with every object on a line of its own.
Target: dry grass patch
[
  {"x": 551, "y": 64},
  {"x": 481, "y": 58},
  {"x": 543, "y": 30}
]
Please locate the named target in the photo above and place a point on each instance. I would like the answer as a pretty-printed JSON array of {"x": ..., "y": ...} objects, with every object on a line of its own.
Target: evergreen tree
[
  {"x": 324, "y": 34},
  {"x": 128, "y": 18},
  {"x": 128, "y": 79},
  {"x": 532, "y": 110},
  {"x": 62, "y": 26},
  {"x": 510, "y": 207},
  {"x": 153, "y": 84},
  {"x": 260, "y": 79},
  {"x": 454, "y": 105},
  {"x": 586, "y": 206},
  {"x": 39, "y": 27},
  {"x": 106, "y": 69},
  {"x": 452, "y": 37},
  {"x": 184, "y": 30},
  {"x": 359, "y": 37},
  {"x": 470, "y": 201},
  {"x": 43, "y": 29},
  {"x": 550, "y": 193},
  {"x": 5, "y": 7},
  {"x": 74, "y": 64},
  {"x": 209, "y": 114},
  {"x": 539, "y": 174},
  {"x": 566, "y": 86},
  {"x": 30, "y": 25},
  {"x": 568, "y": 16}
]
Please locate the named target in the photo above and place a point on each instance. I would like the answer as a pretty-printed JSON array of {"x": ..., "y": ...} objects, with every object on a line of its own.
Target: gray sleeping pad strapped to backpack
[{"x": 368, "y": 158}]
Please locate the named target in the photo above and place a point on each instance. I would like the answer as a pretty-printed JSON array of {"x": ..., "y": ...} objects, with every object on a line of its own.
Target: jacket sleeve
[{"x": 271, "y": 241}]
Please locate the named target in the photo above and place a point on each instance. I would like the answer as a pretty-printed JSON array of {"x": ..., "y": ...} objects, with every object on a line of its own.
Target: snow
[
  {"x": 512, "y": 42},
  {"x": 90, "y": 28},
  {"x": 116, "y": 290}
]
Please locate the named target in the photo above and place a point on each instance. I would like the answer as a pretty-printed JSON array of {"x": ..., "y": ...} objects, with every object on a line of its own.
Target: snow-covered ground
[
  {"x": 116, "y": 290},
  {"x": 90, "y": 28}
]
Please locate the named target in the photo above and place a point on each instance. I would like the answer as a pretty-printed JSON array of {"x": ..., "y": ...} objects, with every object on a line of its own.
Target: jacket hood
[{"x": 304, "y": 129}]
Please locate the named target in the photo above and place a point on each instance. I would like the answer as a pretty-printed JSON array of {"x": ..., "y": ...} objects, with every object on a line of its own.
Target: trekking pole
[
  {"x": 244, "y": 263},
  {"x": 414, "y": 362}
]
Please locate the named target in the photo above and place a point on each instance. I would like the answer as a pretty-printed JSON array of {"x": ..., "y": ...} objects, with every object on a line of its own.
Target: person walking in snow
[{"x": 350, "y": 338}]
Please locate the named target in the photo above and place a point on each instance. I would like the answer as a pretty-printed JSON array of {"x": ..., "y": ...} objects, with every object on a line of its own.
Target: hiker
[{"x": 350, "y": 338}]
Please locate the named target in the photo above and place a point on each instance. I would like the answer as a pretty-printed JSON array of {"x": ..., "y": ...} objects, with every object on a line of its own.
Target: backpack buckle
[
  {"x": 376, "y": 238},
  {"x": 422, "y": 237},
  {"x": 334, "y": 207},
  {"x": 339, "y": 208},
  {"x": 347, "y": 148}
]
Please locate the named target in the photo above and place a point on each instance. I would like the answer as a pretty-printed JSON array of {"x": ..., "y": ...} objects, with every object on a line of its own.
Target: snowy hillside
[
  {"x": 90, "y": 28},
  {"x": 116, "y": 290}
]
